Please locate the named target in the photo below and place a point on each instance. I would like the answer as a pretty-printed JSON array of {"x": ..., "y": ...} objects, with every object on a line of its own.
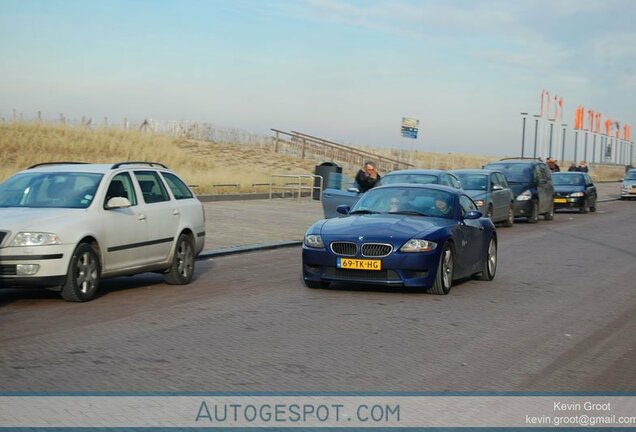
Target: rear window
[
  {"x": 514, "y": 172},
  {"x": 178, "y": 187}
]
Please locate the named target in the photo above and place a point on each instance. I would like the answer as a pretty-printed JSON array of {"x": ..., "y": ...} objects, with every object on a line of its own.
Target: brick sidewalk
[{"x": 251, "y": 223}]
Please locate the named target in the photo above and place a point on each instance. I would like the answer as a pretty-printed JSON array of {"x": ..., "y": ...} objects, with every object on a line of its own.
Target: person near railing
[{"x": 367, "y": 177}]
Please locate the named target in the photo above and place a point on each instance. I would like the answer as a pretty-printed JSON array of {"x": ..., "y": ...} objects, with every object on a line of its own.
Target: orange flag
[{"x": 608, "y": 126}]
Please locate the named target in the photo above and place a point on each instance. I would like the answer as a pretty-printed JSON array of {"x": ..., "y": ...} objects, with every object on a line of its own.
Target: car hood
[
  {"x": 477, "y": 194},
  {"x": 517, "y": 188},
  {"x": 568, "y": 189},
  {"x": 383, "y": 225},
  {"x": 629, "y": 182},
  {"x": 35, "y": 219}
]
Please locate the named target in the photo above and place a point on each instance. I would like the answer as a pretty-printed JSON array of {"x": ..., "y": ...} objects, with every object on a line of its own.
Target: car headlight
[
  {"x": 576, "y": 194},
  {"x": 417, "y": 245},
  {"x": 524, "y": 196},
  {"x": 35, "y": 239},
  {"x": 479, "y": 203},
  {"x": 314, "y": 241}
]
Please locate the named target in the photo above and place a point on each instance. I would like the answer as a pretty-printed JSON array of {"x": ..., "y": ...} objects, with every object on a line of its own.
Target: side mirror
[
  {"x": 473, "y": 214},
  {"x": 353, "y": 189},
  {"x": 343, "y": 209},
  {"x": 117, "y": 202}
]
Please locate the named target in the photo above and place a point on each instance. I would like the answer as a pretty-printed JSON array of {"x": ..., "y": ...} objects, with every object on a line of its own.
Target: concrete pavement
[{"x": 245, "y": 225}]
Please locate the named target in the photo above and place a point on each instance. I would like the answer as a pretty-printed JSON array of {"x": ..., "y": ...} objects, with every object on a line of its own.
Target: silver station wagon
[{"x": 66, "y": 225}]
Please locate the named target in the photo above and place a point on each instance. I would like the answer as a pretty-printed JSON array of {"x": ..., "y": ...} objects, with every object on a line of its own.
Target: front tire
[
  {"x": 490, "y": 213},
  {"x": 82, "y": 277},
  {"x": 444, "y": 275},
  {"x": 489, "y": 266},
  {"x": 511, "y": 218},
  {"x": 586, "y": 206},
  {"x": 533, "y": 218},
  {"x": 182, "y": 268},
  {"x": 550, "y": 214}
]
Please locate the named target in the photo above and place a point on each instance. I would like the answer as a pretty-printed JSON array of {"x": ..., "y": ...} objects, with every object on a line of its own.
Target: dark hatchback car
[
  {"x": 574, "y": 190},
  {"x": 531, "y": 182}
]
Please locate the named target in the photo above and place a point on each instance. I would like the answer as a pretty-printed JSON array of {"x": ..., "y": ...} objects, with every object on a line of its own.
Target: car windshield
[
  {"x": 478, "y": 182},
  {"x": 49, "y": 190},
  {"x": 409, "y": 178},
  {"x": 631, "y": 175},
  {"x": 514, "y": 172},
  {"x": 567, "y": 180},
  {"x": 406, "y": 201}
]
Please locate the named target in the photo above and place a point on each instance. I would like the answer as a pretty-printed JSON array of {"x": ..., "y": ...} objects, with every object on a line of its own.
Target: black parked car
[
  {"x": 531, "y": 182},
  {"x": 574, "y": 190}
]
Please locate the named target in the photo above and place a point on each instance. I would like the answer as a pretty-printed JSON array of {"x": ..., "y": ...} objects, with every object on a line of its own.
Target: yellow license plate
[
  {"x": 359, "y": 264},
  {"x": 560, "y": 200}
]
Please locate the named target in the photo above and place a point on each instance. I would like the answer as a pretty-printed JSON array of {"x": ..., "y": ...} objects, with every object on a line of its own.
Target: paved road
[{"x": 560, "y": 316}]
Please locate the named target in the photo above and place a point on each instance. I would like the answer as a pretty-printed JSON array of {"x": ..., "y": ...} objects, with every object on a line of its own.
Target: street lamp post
[
  {"x": 523, "y": 133},
  {"x": 576, "y": 144},
  {"x": 563, "y": 143},
  {"x": 593, "y": 148},
  {"x": 551, "y": 129},
  {"x": 536, "y": 130}
]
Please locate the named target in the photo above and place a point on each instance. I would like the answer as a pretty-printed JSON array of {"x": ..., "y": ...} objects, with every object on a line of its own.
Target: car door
[
  {"x": 332, "y": 198},
  {"x": 161, "y": 213},
  {"x": 125, "y": 229},
  {"x": 544, "y": 187},
  {"x": 469, "y": 242},
  {"x": 590, "y": 189},
  {"x": 500, "y": 197}
]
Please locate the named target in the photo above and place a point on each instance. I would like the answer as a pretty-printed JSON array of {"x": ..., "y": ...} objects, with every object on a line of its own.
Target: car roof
[
  {"x": 416, "y": 171},
  {"x": 100, "y": 168},
  {"x": 452, "y": 190},
  {"x": 474, "y": 171},
  {"x": 517, "y": 161},
  {"x": 568, "y": 173}
]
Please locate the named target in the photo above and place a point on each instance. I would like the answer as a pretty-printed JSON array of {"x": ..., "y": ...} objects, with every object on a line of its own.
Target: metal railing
[{"x": 296, "y": 187}]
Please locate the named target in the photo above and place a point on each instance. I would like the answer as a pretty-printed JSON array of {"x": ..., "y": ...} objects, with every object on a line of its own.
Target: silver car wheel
[
  {"x": 86, "y": 272},
  {"x": 447, "y": 268},
  {"x": 185, "y": 258},
  {"x": 492, "y": 257}
]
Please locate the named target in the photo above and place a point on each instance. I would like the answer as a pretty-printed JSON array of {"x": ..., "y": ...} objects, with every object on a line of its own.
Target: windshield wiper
[
  {"x": 364, "y": 211},
  {"x": 410, "y": 213}
]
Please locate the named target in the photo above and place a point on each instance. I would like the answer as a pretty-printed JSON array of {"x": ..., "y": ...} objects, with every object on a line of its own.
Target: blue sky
[{"x": 340, "y": 69}]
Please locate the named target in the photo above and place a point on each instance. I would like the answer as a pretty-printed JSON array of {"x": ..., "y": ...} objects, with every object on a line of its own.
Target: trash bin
[{"x": 325, "y": 170}]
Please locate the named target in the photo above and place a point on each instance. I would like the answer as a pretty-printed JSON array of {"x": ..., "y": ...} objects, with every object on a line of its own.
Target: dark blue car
[
  {"x": 340, "y": 192},
  {"x": 402, "y": 235}
]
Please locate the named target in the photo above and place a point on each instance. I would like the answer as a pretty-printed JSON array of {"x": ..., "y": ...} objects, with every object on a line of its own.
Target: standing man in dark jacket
[{"x": 367, "y": 177}]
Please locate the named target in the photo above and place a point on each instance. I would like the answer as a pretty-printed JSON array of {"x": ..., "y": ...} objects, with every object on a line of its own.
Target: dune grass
[{"x": 201, "y": 163}]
